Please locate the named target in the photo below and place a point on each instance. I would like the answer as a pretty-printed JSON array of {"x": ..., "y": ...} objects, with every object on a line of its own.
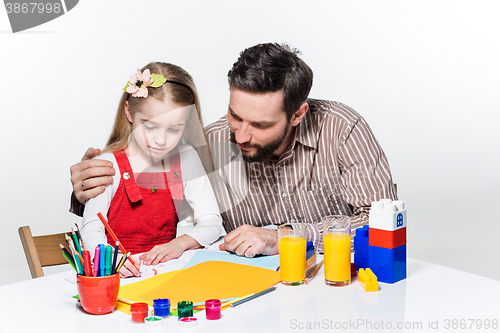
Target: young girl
[{"x": 157, "y": 127}]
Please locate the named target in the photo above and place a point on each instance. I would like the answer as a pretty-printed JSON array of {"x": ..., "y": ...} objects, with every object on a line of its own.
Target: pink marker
[{"x": 96, "y": 259}]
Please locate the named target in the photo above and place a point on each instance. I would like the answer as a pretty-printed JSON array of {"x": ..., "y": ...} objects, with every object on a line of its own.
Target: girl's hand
[
  {"x": 171, "y": 250},
  {"x": 128, "y": 269},
  {"x": 162, "y": 253}
]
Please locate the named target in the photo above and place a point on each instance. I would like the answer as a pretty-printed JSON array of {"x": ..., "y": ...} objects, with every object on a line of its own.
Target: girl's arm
[{"x": 200, "y": 196}]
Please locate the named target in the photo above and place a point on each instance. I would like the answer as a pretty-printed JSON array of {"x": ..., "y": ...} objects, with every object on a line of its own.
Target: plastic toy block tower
[
  {"x": 387, "y": 240},
  {"x": 361, "y": 248}
]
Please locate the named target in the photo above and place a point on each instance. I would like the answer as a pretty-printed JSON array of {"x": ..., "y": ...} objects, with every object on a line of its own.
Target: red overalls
[{"x": 144, "y": 216}]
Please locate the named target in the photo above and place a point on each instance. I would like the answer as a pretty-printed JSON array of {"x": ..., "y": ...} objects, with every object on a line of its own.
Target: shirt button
[
  {"x": 126, "y": 176},
  {"x": 284, "y": 194},
  {"x": 293, "y": 220},
  {"x": 154, "y": 189}
]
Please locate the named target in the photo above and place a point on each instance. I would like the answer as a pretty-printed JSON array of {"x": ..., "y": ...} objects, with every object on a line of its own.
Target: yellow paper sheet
[
  {"x": 213, "y": 279},
  {"x": 134, "y": 291}
]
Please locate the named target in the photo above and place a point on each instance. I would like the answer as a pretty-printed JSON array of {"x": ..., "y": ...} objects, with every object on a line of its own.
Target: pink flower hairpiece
[{"x": 139, "y": 83}]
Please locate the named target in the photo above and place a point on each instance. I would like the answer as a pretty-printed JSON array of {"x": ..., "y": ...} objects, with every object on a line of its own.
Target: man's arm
[{"x": 89, "y": 179}]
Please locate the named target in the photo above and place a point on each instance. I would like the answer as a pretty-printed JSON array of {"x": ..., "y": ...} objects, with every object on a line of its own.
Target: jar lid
[
  {"x": 212, "y": 303},
  {"x": 139, "y": 307},
  {"x": 188, "y": 322},
  {"x": 153, "y": 321},
  {"x": 161, "y": 302},
  {"x": 185, "y": 305}
]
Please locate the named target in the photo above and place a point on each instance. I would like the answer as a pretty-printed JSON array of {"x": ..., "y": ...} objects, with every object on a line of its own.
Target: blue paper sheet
[{"x": 268, "y": 262}]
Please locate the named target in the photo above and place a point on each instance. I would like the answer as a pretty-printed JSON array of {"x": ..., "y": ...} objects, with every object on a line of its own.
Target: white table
[{"x": 431, "y": 294}]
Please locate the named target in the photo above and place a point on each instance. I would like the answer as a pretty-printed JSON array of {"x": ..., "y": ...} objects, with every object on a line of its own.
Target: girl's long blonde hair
[{"x": 193, "y": 131}]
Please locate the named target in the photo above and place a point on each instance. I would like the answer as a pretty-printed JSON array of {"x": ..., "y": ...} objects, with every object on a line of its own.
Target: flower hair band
[{"x": 139, "y": 83}]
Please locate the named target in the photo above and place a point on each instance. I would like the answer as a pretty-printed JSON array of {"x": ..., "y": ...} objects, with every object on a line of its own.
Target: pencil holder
[{"x": 98, "y": 295}]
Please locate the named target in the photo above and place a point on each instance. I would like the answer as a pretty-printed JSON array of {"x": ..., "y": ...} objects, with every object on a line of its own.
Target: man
[{"x": 302, "y": 159}]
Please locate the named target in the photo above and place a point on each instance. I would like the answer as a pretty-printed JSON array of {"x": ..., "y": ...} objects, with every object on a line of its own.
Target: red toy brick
[{"x": 387, "y": 239}]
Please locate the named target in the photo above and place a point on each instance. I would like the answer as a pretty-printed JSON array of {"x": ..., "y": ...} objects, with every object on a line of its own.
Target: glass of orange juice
[
  {"x": 292, "y": 249},
  {"x": 337, "y": 249}
]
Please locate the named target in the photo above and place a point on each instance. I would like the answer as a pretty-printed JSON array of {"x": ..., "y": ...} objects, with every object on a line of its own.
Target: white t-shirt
[{"x": 197, "y": 192}]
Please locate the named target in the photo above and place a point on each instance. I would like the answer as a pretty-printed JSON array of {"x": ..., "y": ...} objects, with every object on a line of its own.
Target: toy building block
[
  {"x": 387, "y": 215},
  {"x": 361, "y": 240},
  {"x": 388, "y": 264},
  {"x": 310, "y": 257},
  {"x": 387, "y": 239},
  {"x": 367, "y": 279},
  {"x": 361, "y": 260}
]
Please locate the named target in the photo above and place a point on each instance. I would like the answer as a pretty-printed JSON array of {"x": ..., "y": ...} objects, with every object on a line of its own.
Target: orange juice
[
  {"x": 292, "y": 258},
  {"x": 337, "y": 250}
]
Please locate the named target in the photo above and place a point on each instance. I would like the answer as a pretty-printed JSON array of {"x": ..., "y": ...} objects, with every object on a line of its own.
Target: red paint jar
[
  {"x": 139, "y": 311},
  {"x": 212, "y": 309}
]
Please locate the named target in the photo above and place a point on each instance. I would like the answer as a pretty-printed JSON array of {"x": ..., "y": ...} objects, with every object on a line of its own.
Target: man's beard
[{"x": 262, "y": 152}]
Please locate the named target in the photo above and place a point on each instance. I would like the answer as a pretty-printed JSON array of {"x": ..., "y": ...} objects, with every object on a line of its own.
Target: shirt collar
[{"x": 307, "y": 131}]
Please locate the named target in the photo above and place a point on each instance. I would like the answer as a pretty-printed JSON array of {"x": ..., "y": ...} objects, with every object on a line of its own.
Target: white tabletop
[{"x": 431, "y": 295}]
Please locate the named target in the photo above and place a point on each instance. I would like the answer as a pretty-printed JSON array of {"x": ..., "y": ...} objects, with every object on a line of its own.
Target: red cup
[{"x": 98, "y": 295}]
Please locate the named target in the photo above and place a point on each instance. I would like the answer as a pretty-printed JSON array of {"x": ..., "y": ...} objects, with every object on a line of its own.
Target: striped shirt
[{"x": 333, "y": 166}]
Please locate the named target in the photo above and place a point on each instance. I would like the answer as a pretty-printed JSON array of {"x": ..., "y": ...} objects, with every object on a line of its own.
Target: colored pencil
[
  {"x": 230, "y": 303},
  {"x": 313, "y": 273},
  {"x": 78, "y": 235},
  {"x": 78, "y": 263},
  {"x": 113, "y": 267},
  {"x": 87, "y": 264},
  {"x": 112, "y": 234},
  {"x": 70, "y": 242},
  {"x": 97, "y": 255},
  {"x": 67, "y": 253},
  {"x": 122, "y": 261},
  {"x": 77, "y": 243},
  {"x": 68, "y": 258},
  {"x": 102, "y": 259},
  {"x": 267, "y": 291}
]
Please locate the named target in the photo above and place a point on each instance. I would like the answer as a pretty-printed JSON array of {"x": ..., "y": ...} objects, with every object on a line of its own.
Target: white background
[{"x": 425, "y": 75}]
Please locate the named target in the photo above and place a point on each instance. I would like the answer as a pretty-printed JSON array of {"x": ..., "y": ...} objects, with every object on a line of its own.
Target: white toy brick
[{"x": 387, "y": 215}]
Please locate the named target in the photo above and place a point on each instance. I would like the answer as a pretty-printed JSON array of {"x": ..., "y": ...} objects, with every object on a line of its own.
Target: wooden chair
[{"x": 42, "y": 251}]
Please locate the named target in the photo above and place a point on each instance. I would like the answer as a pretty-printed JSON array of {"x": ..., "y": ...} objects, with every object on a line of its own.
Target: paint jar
[
  {"x": 139, "y": 312},
  {"x": 161, "y": 307},
  {"x": 98, "y": 295},
  {"x": 337, "y": 250},
  {"x": 185, "y": 309},
  {"x": 212, "y": 309},
  {"x": 292, "y": 251}
]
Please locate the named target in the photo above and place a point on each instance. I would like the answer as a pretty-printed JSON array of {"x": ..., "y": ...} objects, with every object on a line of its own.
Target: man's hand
[
  {"x": 90, "y": 177},
  {"x": 249, "y": 241}
]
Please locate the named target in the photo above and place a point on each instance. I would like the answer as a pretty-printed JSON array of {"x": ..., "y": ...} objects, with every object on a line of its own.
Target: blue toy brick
[
  {"x": 361, "y": 241},
  {"x": 389, "y": 265},
  {"x": 309, "y": 250},
  {"x": 361, "y": 261}
]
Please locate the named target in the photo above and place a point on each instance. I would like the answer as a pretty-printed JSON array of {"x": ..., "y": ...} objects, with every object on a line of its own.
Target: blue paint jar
[{"x": 161, "y": 307}]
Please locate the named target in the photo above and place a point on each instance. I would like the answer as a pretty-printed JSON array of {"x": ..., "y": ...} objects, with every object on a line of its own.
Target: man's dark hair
[{"x": 272, "y": 67}]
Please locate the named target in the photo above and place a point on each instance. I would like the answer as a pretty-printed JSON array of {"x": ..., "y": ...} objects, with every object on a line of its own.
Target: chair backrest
[{"x": 42, "y": 251}]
